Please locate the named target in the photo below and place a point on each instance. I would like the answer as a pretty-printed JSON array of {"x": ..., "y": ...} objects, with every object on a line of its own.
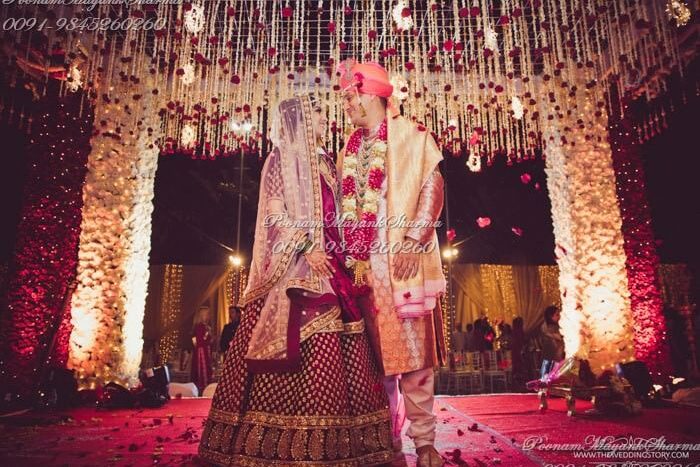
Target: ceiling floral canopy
[{"x": 473, "y": 72}]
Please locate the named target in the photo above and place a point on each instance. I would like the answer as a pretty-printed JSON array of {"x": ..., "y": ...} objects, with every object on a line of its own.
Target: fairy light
[
  {"x": 596, "y": 319},
  {"x": 115, "y": 241},
  {"x": 464, "y": 62},
  {"x": 47, "y": 239},
  {"x": 170, "y": 310},
  {"x": 679, "y": 12},
  {"x": 650, "y": 339}
]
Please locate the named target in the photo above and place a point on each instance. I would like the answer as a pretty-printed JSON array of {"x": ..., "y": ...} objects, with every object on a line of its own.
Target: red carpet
[
  {"x": 170, "y": 435},
  {"x": 515, "y": 417}
]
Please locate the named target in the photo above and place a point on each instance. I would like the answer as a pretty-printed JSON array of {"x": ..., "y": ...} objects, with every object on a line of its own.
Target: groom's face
[{"x": 351, "y": 105}]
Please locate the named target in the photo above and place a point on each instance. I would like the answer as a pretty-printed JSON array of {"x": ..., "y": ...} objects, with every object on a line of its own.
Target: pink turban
[{"x": 368, "y": 78}]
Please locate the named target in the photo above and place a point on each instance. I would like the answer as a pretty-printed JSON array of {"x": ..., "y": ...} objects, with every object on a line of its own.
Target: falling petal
[{"x": 483, "y": 222}]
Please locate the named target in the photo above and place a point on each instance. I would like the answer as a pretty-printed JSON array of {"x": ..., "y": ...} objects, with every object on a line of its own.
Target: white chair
[
  {"x": 182, "y": 390},
  {"x": 442, "y": 379},
  {"x": 492, "y": 372},
  {"x": 467, "y": 378}
]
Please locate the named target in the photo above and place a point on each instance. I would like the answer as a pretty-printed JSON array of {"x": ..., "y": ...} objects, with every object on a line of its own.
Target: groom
[{"x": 393, "y": 191}]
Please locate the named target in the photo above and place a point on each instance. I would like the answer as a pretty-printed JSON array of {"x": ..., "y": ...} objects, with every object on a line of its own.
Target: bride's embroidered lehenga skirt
[{"x": 332, "y": 412}]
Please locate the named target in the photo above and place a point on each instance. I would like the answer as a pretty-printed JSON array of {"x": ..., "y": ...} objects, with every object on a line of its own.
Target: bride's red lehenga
[{"x": 323, "y": 402}]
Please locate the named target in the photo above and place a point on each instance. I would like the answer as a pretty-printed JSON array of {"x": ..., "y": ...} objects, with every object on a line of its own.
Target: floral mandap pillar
[
  {"x": 108, "y": 304},
  {"x": 596, "y": 319},
  {"x": 640, "y": 246},
  {"x": 33, "y": 326}
]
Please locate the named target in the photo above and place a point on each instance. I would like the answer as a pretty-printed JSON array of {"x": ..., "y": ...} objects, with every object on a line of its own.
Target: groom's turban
[{"x": 367, "y": 78}]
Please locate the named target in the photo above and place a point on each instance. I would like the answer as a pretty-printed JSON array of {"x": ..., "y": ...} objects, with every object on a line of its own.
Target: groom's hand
[{"x": 406, "y": 261}]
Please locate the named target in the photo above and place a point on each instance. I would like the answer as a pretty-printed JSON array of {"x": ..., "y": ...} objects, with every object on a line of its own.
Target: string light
[
  {"x": 170, "y": 310},
  {"x": 650, "y": 345},
  {"x": 115, "y": 240},
  {"x": 463, "y": 63},
  {"x": 46, "y": 256},
  {"x": 679, "y": 12}
]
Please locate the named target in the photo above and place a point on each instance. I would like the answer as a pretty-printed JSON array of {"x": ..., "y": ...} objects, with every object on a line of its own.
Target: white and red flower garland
[{"x": 359, "y": 216}]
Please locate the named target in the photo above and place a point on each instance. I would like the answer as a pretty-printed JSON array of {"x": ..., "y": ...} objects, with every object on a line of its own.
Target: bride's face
[{"x": 319, "y": 122}]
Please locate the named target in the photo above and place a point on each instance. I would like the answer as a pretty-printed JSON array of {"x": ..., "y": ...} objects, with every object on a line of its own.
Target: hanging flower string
[{"x": 359, "y": 211}]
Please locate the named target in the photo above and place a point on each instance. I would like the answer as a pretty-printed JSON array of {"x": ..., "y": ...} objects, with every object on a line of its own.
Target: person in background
[
  {"x": 517, "y": 342},
  {"x": 479, "y": 339},
  {"x": 489, "y": 333},
  {"x": 201, "y": 370},
  {"x": 234, "y": 316},
  {"x": 470, "y": 339},
  {"x": 458, "y": 338},
  {"x": 503, "y": 341},
  {"x": 550, "y": 336}
]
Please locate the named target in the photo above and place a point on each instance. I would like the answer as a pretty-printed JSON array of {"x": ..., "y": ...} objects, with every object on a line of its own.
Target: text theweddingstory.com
[{"x": 619, "y": 450}]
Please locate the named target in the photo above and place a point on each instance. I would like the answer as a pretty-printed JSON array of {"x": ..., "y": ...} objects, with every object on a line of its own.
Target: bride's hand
[{"x": 319, "y": 263}]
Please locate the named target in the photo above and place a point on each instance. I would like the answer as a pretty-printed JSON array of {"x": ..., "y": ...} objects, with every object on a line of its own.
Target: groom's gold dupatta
[{"x": 412, "y": 156}]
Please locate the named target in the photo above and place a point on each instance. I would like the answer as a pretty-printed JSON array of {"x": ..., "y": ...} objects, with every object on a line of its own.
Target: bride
[{"x": 300, "y": 385}]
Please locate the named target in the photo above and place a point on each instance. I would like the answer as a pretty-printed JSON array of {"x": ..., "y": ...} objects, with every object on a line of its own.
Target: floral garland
[
  {"x": 640, "y": 248},
  {"x": 596, "y": 320},
  {"x": 359, "y": 216},
  {"x": 109, "y": 301},
  {"x": 46, "y": 252}
]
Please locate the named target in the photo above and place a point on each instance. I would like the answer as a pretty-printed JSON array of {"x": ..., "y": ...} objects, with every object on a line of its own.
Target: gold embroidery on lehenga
[
  {"x": 227, "y": 439},
  {"x": 370, "y": 439},
  {"x": 332, "y": 444},
  {"x": 207, "y": 431},
  {"x": 316, "y": 448},
  {"x": 384, "y": 432},
  {"x": 355, "y": 327},
  {"x": 284, "y": 447},
  {"x": 356, "y": 442},
  {"x": 323, "y": 323},
  {"x": 269, "y": 444},
  {"x": 296, "y": 447},
  {"x": 252, "y": 444},
  {"x": 320, "y": 323},
  {"x": 299, "y": 445},
  {"x": 299, "y": 421},
  {"x": 240, "y": 439},
  {"x": 343, "y": 443},
  {"x": 215, "y": 438}
]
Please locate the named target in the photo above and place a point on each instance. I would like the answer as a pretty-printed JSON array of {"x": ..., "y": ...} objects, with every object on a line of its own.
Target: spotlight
[
  {"x": 155, "y": 387},
  {"x": 638, "y": 375},
  {"x": 235, "y": 260},
  {"x": 450, "y": 253},
  {"x": 115, "y": 396}
]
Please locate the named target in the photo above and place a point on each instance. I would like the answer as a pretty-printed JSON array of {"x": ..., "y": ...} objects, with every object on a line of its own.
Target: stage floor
[{"x": 479, "y": 430}]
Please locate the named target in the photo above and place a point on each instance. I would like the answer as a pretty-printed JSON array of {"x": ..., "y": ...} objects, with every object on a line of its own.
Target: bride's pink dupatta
[{"x": 297, "y": 301}]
